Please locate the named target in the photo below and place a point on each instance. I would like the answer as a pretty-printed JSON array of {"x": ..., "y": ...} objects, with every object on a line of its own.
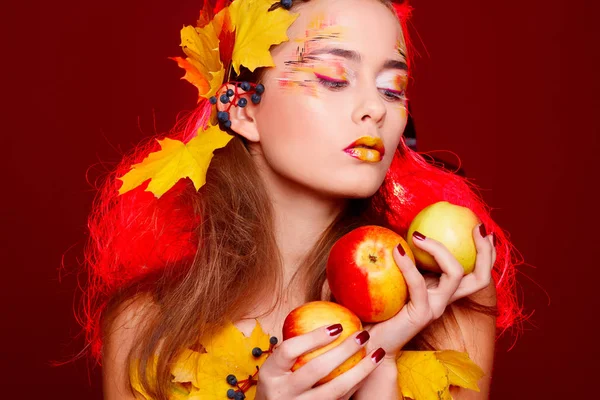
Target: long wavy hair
[{"x": 205, "y": 257}]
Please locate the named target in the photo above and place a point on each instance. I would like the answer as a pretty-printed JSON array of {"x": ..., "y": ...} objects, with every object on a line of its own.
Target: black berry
[
  {"x": 223, "y": 116},
  {"x": 257, "y": 352},
  {"x": 232, "y": 380},
  {"x": 245, "y": 86},
  {"x": 260, "y": 89},
  {"x": 239, "y": 396},
  {"x": 256, "y": 98}
]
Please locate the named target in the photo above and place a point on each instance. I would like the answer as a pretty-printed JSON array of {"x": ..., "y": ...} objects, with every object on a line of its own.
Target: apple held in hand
[
  {"x": 363, "y": 275},
  {"x": 451, "y": 225},
  {"x": 315, "y": 314}
]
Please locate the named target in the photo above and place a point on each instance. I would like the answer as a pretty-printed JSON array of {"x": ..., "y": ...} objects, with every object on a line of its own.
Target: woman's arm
[
  {"x": 119, "y": 337},
  {"x": 478, "y": 339}
]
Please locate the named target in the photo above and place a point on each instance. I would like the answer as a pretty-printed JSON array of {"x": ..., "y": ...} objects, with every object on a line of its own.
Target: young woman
[{"x": 317, "y": 151}]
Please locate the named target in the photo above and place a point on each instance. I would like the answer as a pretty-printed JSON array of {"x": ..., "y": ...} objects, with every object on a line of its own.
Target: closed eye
[
  {"x": 331, "y": 83},
  {"x": 394, "y": 95}
]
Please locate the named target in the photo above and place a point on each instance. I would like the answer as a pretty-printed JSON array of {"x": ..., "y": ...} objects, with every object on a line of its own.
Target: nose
[{"x": 370, "y": 107}]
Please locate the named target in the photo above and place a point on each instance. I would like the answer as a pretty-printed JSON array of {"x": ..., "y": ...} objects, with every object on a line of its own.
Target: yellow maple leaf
[
  {"x": 227, "y": 352},
  {"x": 461, "y": 370},
  {"x": 185, "y": 368},
  {"x": 257, "y": 29},
  {"x": 202, "y": 376},
  {"x": 422, "y": 377},
  {"x": 203, "y": 65},
  {"x": 176, "y": 160}
]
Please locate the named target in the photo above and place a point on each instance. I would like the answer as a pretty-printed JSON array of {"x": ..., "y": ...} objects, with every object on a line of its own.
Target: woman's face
[{"x": 341, "y": 77}]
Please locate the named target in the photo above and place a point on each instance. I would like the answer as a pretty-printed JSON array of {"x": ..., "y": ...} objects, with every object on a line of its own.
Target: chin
[{"x": 356, "y": 188}]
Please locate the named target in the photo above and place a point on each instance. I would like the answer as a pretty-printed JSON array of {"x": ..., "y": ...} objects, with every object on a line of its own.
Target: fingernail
[
  {"x": 378, "y": 355},
  {"x": 482, "y": 230},
  {"x": 401, "y": 249},
  {"x": 418, "y": 235},
  {"x": 335, "y": 329},
  {"x": 362, "y": 337}
]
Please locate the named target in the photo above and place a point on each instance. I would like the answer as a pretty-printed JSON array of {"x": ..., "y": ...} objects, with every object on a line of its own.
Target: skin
[{"x": 297, "y": 135}]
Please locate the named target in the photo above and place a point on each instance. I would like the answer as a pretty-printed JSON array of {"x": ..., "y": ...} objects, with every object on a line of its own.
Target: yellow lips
[
  {"x": 365, "y": 154},
  {"x": 366, "y": 148}
]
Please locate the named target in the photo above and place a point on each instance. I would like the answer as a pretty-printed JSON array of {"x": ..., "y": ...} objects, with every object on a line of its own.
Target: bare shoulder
[
  {"x": 121, "y": 332},
  {"x": 478, "y": 336}
]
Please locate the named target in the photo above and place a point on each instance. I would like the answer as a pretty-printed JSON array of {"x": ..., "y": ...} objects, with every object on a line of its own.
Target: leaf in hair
[
  {"x": 257, "y": 29},
  {"x": 176, "y": 160}
]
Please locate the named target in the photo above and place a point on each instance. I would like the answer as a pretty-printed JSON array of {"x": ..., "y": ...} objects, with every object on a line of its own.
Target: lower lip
[{"x": 364, "y": 154}]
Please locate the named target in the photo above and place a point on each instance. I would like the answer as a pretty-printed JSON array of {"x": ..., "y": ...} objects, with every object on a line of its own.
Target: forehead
[{"x": 366, "y": 26}]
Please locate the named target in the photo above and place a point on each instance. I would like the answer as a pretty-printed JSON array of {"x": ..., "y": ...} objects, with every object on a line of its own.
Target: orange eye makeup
[{"x": 393, "y": 85}]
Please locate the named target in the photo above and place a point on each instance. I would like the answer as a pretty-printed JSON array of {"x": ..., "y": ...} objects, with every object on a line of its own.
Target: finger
[
  {"x": 493, "y": 241},
  {"x": 284, "y": 356},
  {"x": 321, "y": 366},
  {"x": 344, "y": 383},
  {"x": 417, "y": 288},
  {"x": 452, "y": 270},
  {"x": 482, "y": 274}
]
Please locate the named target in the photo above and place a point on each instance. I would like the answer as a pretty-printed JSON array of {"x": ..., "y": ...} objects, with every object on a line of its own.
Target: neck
[{"x": 300, "y": 216}]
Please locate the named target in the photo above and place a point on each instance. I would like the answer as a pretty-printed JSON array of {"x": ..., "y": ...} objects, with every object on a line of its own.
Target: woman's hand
[
  {"x": 429, "y": 297},
  {"x": 277, "y": 381}
]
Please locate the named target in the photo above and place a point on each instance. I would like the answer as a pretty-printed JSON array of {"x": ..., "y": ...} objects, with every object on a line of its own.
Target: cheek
[
  {"x": 299, "y": 121},
  {"x": 397, "y": 120}
]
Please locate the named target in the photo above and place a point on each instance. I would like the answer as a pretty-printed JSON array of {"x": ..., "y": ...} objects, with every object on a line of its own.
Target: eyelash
[{"x": 336, "y": 84}]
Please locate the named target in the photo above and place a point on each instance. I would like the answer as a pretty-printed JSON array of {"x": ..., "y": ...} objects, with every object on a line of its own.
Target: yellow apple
[
  {"x": 315, "y": 314},
  {"x": 450, "y": 224}
]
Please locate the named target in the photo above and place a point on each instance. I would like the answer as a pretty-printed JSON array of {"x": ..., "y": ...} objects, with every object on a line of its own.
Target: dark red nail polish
[
  {"x": 482, "y": 230},
  {"x": 401, "y": 249},
  {"x": 378, "y": 355},
  {"x": 362, "y": 337},
  {"x": 335, "y": 329},
  {"x": 418, "y": 235}
]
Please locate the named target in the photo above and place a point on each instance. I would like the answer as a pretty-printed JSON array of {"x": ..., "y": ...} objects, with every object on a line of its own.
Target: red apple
[
  {"x": 315, "y": 314},
  {"x": 363, "y": 275}
]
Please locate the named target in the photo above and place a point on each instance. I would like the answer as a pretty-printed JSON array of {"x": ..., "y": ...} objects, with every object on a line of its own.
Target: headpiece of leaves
[{"x": 227, "y": 36}]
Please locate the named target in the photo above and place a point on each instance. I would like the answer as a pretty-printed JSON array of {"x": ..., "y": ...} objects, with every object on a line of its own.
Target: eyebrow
[{"x": 356, "y": 57}]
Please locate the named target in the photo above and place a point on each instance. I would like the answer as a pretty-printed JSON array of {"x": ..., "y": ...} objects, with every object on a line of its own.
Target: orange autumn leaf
[
  {"x": 428, "y": 375},
  {"x": 176, "y": 160},
  {"x": 203, "y": 65}
]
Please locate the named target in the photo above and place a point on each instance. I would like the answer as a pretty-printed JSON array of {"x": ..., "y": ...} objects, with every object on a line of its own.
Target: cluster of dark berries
[
  {"x": 243, "y": 385},
  {"x": 232, "y": 97}
]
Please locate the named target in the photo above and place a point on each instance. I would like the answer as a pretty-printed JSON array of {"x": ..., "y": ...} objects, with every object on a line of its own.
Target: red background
[{"x": 510, "y": 87}]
